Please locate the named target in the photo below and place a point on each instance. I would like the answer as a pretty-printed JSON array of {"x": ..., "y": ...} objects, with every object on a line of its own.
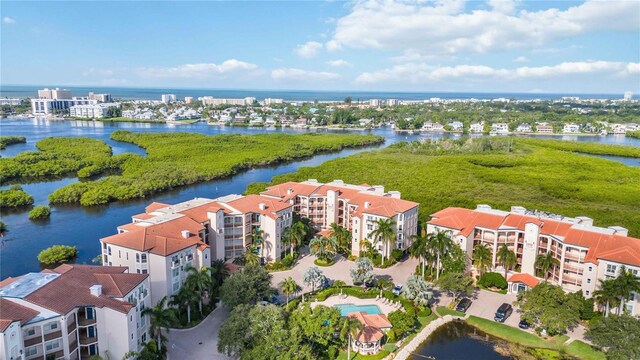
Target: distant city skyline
[{"x": 378, "y": 45}]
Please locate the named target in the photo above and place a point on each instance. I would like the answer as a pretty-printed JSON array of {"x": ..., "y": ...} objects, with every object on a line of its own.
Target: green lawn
[
  {"x": 443, "y": 310},
  {"x": 381, "y": 355},
  {"x": 584, "y": 351}
]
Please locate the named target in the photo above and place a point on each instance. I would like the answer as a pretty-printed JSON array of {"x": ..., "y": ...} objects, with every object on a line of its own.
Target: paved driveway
[
  {"x": 200, "y": 342},
  {"x": 340, "y": 271}
]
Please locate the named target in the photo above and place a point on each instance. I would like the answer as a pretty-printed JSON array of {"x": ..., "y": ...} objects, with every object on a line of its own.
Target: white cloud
[
  {"x": 309, "y": 49},
  {"x": 521, "y": 59},
  {"x": 414, "y": 73},
  {"x": 198, "y": 70},
  {"x": 8, "y": 20},
  {"x": 444, "y": 27},
  {"x": 333, "y": 45},
  {"x": 285, "y": 74},
  {"x": 338, "y": 63}
]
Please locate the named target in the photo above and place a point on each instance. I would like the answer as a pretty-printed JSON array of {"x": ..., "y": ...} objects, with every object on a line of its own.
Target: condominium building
[
  {"x": 73, "y": 312},
  {"x": 95, "y": 111},
  {"x": 211, "y": 101},
  {"x": 586, "y": 253},
  {"x": 270, "y": 101},
  {"x": 168, "y": 98},
  {"x": 166, "y": 240},
  {"x": 10, "y": 101},
  {"x": 54, "y": 94},
  {"x": 49, "y": 106},
  {"x": 103, "y": 98},
  {"x": 188, "y": 99},
  {"x": 355, "y": 207}
]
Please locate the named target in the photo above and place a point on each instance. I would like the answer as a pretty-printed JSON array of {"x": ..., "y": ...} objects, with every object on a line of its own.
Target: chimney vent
[
  {"x": 583, "y": 220},
  {"x": 483, "y": 207},
  {"x": 619, "y": 230},
  {"x": 518, "y": 210},
  {"x": 96, "y": 290},
  {"x": 394, "y": 194},
  {"x": 289, "y": 191},
  {"x": 185, "y": 234},
  {"x": 262, "y": 206},
  {"x": 367, "y": 205}
]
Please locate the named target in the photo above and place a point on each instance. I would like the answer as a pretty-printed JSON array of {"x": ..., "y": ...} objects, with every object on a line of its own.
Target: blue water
[
  {"x": 345, "y": 309},
  {"x": 23, "y": 91}
]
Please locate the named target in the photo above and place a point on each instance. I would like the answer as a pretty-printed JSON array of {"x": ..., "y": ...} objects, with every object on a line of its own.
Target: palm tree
[
  {"x": 383, "y": 283},
  {"x": 366, "y": 249},
  {"x": 342, "y": 235},
  {"x": 294, "y": 235},
  {"x": 218, "y": 271},
  {"x": 482, "y": 257},
  {"x": 419, "y": 249},
  {"x": 607, "y": 295},
  {"x": 200, "y": 282},
  {"x": 626, "y": 283},
  {"x": 257, "y": 238},
  {"x": 507, "y": 257},
  {"x": 384, "y": 232},
  {"x": 289, "y": 287},
  {"x": 546, "y": 262},
  {"x": 350, "y": 327},
  {"x": 184, "y": 298},
  {"x": 160, "y": 317},
  {"x": 251, "y": 256},
  {"x": 440, "y": 243},
  {"x": 323, "y": 247}
]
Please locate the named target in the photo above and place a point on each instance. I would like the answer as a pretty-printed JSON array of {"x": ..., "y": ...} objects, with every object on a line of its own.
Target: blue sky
[{"x": 489, "y": 46}]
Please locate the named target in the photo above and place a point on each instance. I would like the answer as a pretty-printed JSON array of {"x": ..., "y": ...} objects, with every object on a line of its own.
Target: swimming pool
[{"x": 349, "y": 308}]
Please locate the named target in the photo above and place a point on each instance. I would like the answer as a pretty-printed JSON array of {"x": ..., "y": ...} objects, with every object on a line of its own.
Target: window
[
  {"x": 89, "y": 312},
  {"x": 50, "y": 326},
  {"x": 144, "y": 271},
  {"x": 93, "y": 349},
  {"x": 587, "y": 292},
  {"x": 176, "y": 286},
  {"x": 588, "y": 281},
  {"x": 119, "y": 254},
  {"x": 175, "y": 272},
  {"x": 31, "y": 350},
  {"x": 611, "y": 268},
  {"x": 52, "y": 345},
  {"x": 590, "y": 268},
  {"x": 143, "y": 258},
  {"x": 137, "y": 258},
  {"x": 91, "y": 331}
]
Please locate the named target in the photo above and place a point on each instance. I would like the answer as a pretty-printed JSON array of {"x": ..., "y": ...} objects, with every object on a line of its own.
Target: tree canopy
[{"x": 550, "y": 307}]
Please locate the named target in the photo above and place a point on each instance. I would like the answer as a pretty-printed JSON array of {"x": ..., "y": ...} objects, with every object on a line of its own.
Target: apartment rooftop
[
  {"x": 26, "y": 284},
  {"x": 612, "y": 243}
]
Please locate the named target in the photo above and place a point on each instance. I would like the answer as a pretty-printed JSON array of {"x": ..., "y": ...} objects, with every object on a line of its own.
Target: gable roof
[
  {"x": 373, "y": 323},
  {"x": 11, "y": 312},
  {"x": 251, "y": 204},
  {"x": 524, "y": 278}
]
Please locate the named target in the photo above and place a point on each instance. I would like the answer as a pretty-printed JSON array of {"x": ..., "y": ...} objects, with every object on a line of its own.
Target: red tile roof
[
  {"x": 622, "y": 249},
  {"x": 71, "y": 288},
  {"x": 11, "y": 311},
  {"x": 251, "y": 204},
  {"x": 373, "y": 323},
  {"x": 524, "y": 278},
  {"x": 155, "y": 206}
]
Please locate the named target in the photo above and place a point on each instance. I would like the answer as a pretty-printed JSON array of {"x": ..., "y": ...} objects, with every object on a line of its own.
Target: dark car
[
  {"x": 275, "y": 300},
  {"x": 463, "y": 305},
  {"x": 369, "y": 285},
  {"x": 503, "y": 312},
  {"x": 523, "y": 324}
]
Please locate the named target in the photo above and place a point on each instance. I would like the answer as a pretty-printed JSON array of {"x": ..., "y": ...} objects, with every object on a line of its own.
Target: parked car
[
  {"x": 397, "y": 289},
  {"x": 369, "y": 285},
  {"x": 275, "y": 300},
  {"x": 523, "y": 324},
  {"x": 503, "y": 312},
  {"x": 463, "y": 305},
  {"x": 326, "y": 283}
]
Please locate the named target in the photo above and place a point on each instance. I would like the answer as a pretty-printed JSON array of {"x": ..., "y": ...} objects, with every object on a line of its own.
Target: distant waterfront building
[
  {"x": 168, "y": 98},
  {"x": 10, "y": 102},
  {"x": 49, "y": 106},
  {"x": 544, "y": 128},
  {"x": 103, "y": 98},
  {"x": 73, "y": 312},
  {"x": 476, "y": 128},
  {"x": 571, "y": 128},
  {"x": 94, "y": 111},
  {"x": 585, "y": 253},
  {"x": 211, "y": 101},
  {"x": 374, "y": 102},
  {"x": 270, "y": 101},
  {"x": 500, "y": 128},
  {"x": 523, "y": 128},
  {"x": 54, "y": 94},
  {"x": 456, "y": 125},
  {"x": 392, "y": 102},
  {"x": 188, "y": 99}
]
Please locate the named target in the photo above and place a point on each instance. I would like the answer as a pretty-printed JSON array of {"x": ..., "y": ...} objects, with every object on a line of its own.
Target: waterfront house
[
  {"x": 476, "y": 128},
  {"x": 73, "y": 312},
  {"x": 500, "y": 128},
  {"x": 586, "y": 253},
  {"x": 523, "y": 128},
  {"x": 571, "y": 128},
  {"x": 368, "y": 341},
  {"x": 544, "y": 128},
  {"x": 456, "y": 126}
]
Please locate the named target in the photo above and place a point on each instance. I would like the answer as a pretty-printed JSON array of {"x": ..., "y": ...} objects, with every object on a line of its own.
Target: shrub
[
  {"x": 493, "y": 279},
  {"x": 10, "y": 140},
  {"x": 424, "y": 312},
  {"x": 15, "y": 197},
  {"x": 397, "y": 254},
  {"x": 332, "y": 352},
  {"x": 287, "y": 261},
  {"x": 402, "y": 323},
  {"x": 39, "y": 212},
  {"x": 321, "y": 262},
  {"x": 57, "y": 254}
]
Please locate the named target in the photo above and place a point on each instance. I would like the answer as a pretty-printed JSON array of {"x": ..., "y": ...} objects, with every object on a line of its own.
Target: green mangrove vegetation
[
  {"x": 57, "y": 254},
  {"x": 633, "y": 134},
  {"x": 40, "y": 212},
  {"x": 62, "y": 156},
  {"x": 501, "y": 172},
  {"x": 179, "y": 159},
  {"x": 10, "y": 140},
  {"x": 14, "y": 197}
]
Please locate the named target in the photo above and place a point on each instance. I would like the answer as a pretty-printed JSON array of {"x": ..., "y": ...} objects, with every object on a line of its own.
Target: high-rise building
[
  {"x": 54, "y": 94},
  {"x": 168, "y": 98},
  {"x": 103, "y": 98},
  {"x": 628, "y": 95}
]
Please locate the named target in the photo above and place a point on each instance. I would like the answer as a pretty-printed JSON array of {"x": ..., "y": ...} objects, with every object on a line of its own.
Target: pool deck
[{"x": 341, "y": 300}]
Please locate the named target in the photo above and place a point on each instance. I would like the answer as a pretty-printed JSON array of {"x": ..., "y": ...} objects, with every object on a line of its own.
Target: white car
[{"x": 397, "y": 289}]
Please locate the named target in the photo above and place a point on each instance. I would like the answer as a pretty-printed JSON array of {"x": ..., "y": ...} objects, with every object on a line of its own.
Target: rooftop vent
[
  {"x": 483, "y": 207},
  {"x": 338, "y": 182},
  {"x": 289, "y": 191},
  {"x": 262, "y": 206},
  {"x": 185, "y": 234},
  {"x": 586, "y": 221},
  {"x": 518, "y": 210},
  {"x": 619, "y": 230},
  {"x": 367, "y": 204},
  {"x": 96, "y": 290},
  {"x": 394, "y": 194}
]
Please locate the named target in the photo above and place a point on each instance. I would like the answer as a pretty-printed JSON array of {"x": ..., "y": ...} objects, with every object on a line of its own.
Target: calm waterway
[
  {"x": 458, "y": 340},
  {"x": 82, "y": 227}
]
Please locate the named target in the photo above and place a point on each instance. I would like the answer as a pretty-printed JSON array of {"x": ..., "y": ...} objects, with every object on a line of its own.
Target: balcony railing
[
  {"x": 572, "y": 256},
  {"x": 82, "y": 321},
  {"x": 85, "y": 340}
]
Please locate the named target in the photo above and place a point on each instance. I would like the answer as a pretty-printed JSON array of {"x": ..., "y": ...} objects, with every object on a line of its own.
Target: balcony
[
  {"x": 52, "y": 335},
  {"x": 572, "y": 256},
  {"x": 570, "y": 278},
  {"x": 33, "y": 341},
  {"x": 73, "y": 345},
  {"x": 572, "y": 268},
  {"x": 71, "y": 326},
  {"x": 82, "y": 321},
  {"x": 85, "y": 340}
]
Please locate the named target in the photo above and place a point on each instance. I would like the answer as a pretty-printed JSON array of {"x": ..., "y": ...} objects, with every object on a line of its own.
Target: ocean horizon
[{"x": 153, "y": 93}]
